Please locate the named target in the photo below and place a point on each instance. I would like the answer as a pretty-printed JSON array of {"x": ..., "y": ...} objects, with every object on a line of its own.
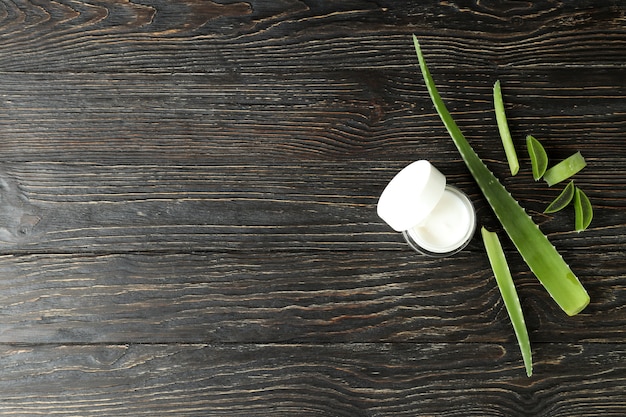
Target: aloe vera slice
[
  {"x": 536, "y": 250},
  {"x": 583, "y": 212},
  {"x": 503, "y": 127},
  {"x": 564, "y": 169},
  {"x": 563, "y": 199},
  {"x": 538, "y": 157},
  {"x": 503, "y": 277}
]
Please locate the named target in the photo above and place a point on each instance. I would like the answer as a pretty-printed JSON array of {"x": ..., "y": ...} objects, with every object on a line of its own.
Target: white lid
[{"x": 411, "y": 195}]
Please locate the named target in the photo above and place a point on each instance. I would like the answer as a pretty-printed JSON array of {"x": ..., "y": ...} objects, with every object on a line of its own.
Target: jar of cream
[{"x": 435, "y": 219}]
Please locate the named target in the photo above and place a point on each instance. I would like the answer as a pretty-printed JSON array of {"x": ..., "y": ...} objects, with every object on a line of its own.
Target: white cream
[{"x": 448, "y": 227}]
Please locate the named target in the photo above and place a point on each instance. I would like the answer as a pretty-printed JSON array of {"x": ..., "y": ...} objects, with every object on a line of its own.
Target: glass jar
[{"x": 435, "y": 219}]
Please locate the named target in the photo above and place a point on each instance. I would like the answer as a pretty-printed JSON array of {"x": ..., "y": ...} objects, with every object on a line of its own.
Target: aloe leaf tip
[{"x": 503, "y": 128}]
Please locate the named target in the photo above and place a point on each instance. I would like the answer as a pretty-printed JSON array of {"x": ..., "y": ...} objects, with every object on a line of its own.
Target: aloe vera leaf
[
  {"x": 505, "y": 283},
  {"x": 564, "y": 169},
  {"x": 538, "y": 157},
  {"x": 539, "y": 254},
  {"x": 503, "y": 127},
  {"x": 563, "y": 199},
  {"x": 583, "y": 212}
]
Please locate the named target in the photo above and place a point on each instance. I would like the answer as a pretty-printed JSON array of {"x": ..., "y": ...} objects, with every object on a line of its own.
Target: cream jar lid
[{"x": 411, "y": 195}]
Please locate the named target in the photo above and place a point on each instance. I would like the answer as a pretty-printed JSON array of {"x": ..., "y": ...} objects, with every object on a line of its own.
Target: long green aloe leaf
[
  {"x": 507, "y": 288},
  {"x": 540, "y": 255}
]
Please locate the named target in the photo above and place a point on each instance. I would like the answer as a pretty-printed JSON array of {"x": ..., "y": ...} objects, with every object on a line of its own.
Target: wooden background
[{"x": 188, "y": 207}]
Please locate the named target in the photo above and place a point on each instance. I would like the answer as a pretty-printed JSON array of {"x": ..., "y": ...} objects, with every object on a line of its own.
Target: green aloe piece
[
  {"x": 538, "y": 157},
  {"x": 503, "y": 127},
  {"x": 563, "y": 199},
  {"x": 564, "y": 169},
  {"x": 582, "y": 210},
  {"x": 536, "y": 250},
  {"x": 503, "y": 277}
]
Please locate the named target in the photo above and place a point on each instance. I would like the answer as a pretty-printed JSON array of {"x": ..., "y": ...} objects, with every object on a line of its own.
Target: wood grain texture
[
  {"x": 311, "y": 380},
  {"x": 253, "y": 298},
  {"x": 87, "y": 207},
  {"x": 188, "y": 207},
  {"x": 261, "y": 36},
  {"x": 303, "y": 116}
]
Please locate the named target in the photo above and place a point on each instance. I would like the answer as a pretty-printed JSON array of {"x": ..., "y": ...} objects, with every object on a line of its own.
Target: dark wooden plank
[
  {"x": 338, "y": 115},
  {"x": 191, "y": 172},
  {"x": 312, "y": 380},
  {"x": 84, "y": 207},
  {"x": 271, "y": 297},
  {"x": 196, "y": 36}
]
